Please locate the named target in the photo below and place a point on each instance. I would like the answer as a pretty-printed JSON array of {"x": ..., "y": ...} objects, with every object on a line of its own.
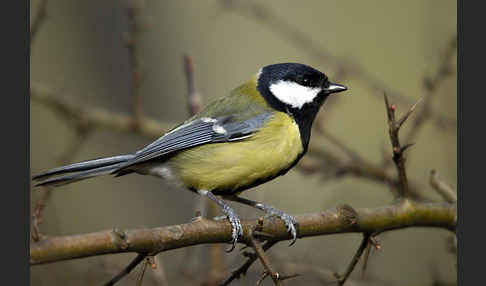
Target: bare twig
[
  {"x": 372, "y": 244},
  {"x": 139, "y": 258},
  {"x": 356, "y": 257},
  {"x": 400, "y": 215},
  {"x": 442, "y": 188},
  {"x": 327, "y": 276},
  {"x": 262, "y": 278},
  {"x": 37, "y": 214},
  {"x": 236, "y": 274},
  {"x": 136, "y": 26},
  {"x": 194, "y": 101},
  {"x": 366, "y": 259},
  {"x": 40, "y": 16},
  {"x": 281, "y": 277},
  {"x": 142, "y": 272},
  {"x": 260, "y": 253},
  {"x": 394, "y": 126}
]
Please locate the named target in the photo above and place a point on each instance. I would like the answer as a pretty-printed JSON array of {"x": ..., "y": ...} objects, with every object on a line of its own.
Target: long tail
[{"x": 80, "y": 171}]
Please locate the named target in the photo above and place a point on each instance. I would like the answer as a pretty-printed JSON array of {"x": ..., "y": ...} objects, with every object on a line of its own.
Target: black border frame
[{"x": 15, "y": 212}]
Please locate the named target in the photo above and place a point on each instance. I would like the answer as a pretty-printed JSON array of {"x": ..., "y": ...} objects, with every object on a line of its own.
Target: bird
[{"x": 257, "y": 132}]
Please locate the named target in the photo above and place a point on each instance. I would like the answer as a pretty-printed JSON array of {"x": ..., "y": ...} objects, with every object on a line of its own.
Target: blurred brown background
[{"x": 79, "y": 52}]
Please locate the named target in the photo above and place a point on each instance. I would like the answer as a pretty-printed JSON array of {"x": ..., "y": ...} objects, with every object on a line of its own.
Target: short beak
[{"x": 334, "y": 87}]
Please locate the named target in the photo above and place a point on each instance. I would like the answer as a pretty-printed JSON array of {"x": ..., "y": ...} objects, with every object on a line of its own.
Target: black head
[
  {"x": 294, "y": 87},
  {"x": 298, "y": 90}
]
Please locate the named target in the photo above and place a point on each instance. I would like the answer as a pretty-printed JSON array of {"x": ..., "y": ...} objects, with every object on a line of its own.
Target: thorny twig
[
  {"x": 372, "y": 244},
  {"x": 142, "y": 272},
  {"x": 394, "y": 126},
  {"x": 354, "y": 164},
  {"x": 327, "y": 276},
  {"x": 260, "y": 253},
  {"x": 354, "y": 261},
  {"x": 262, "y": 278},
  {"x": 139, "y": 258},
  {"x": 236, "y": 274}
]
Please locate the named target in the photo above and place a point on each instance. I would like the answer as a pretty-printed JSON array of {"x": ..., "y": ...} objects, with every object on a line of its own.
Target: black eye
[{"x": 306, "y": 81}]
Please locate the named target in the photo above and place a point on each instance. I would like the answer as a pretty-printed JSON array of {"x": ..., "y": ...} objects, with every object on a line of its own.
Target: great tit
[{"x": 251, "y": 136}]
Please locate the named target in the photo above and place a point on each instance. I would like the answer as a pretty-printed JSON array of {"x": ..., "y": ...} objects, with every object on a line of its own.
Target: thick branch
[{"x": 152, "y": 241}]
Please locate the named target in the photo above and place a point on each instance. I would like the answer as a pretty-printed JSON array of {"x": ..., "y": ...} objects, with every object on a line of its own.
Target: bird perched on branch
[{"x": 256, "y": 133}]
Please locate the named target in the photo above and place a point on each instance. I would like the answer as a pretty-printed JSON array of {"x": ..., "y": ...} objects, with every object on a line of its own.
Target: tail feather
[
  {"x": 80, "y": 171},
  {"x": 82, "y": 166},
  {"x": 78, "y": 176}
]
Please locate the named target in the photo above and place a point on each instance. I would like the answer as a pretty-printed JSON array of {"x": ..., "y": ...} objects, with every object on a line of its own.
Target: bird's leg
[
  {"x": 236, "y": 228},
  {"x": 290, "y": 221}
]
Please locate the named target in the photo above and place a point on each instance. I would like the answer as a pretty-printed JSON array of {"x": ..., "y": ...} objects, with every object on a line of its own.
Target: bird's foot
[
  {"x": 236, "y": 227},
  {"x": 290, "y": 221}
]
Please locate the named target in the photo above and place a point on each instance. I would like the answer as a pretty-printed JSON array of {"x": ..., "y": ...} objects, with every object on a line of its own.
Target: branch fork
[{"x": 394, "y": 126}]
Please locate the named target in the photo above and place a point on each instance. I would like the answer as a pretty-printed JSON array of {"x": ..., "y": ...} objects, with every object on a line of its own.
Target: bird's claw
[
  {"x": 290, "y": 222},
  {"x": 236, "y": 227}
]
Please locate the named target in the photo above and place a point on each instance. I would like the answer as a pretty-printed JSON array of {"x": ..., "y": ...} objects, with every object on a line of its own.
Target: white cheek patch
[{"x": 294, "y": 94}]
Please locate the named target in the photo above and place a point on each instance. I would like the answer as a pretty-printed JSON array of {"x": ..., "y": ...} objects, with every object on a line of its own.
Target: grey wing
[{"x": 200, "y": 131}]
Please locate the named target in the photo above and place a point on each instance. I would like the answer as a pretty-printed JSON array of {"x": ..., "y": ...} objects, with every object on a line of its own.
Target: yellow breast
[{"x": 227, "y": 167}]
